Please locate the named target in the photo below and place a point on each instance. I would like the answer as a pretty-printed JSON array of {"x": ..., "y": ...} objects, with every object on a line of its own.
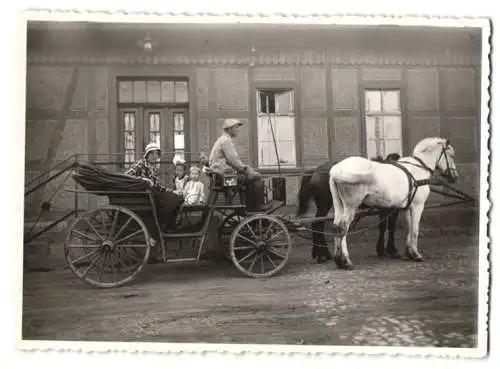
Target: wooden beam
[
  {"x": 57, "y": 135},
  {"x": 62, "y": 117}
]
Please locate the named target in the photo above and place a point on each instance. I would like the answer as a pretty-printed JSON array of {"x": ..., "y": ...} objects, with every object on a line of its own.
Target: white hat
[
  {"x": 229, "y": 123},
  {"x": 152, "y": 146},
  {"x": 178, "y": 160}
]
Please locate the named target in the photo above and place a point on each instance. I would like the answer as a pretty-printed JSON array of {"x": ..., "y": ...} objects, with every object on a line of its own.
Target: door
[{"x": 168, "y": 127}]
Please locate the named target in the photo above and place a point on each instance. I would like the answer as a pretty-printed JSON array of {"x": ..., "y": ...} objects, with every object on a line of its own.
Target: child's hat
[{"x": 178, "y": 160}]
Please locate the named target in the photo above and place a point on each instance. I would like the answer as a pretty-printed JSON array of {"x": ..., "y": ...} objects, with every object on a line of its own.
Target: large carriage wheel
[
  {"x": 226, "y": 230},
  {"x": 107, "y": 247},
  {"x": 260, "y": 246}
]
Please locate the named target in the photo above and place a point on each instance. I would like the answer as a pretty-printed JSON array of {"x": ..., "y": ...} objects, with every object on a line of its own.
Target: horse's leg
[
  {"x": 381, "y": 232},
  {"x": 320, "y": 249},
  {"x": 349, "y": 214},
  {"x": 391, "y": 247},
  {"x": 413, "y": 216},
  {"x": 417, "y": 210}
]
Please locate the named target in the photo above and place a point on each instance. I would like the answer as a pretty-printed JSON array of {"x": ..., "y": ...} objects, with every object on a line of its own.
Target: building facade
[{"x": 320, "y": 92}]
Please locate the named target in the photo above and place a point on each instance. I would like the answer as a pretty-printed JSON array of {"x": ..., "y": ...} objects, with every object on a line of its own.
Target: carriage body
[{"x": 107, "y": 247}]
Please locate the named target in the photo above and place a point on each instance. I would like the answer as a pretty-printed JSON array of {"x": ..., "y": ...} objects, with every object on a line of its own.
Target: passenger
[
  {"x": 224, "y": 159},
  {"x": 194, "y": 192},
  {"x": 181, "y": 178},
  {"x": 167, "y": 201}
]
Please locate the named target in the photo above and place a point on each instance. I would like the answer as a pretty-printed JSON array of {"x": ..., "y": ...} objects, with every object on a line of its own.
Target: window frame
[
  {"x": 384, "y": 85},
  {"x": 255, "y": 87},
  {"x": 115, "y": 141}
]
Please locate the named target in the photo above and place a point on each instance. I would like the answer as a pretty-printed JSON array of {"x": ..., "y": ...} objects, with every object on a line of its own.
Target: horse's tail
[
  {"x": 304, "y": 195},
  {"x": 338, "y": 204}
]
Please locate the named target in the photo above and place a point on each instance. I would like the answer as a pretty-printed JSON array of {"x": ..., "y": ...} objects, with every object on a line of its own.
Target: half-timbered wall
[{"x": 440, "y": 96}]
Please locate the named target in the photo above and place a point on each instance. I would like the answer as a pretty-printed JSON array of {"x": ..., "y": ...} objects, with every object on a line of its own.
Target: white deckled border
[{"x": 281, "y": 18}]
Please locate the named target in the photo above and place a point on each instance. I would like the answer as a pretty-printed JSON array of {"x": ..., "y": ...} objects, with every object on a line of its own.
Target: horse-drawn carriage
[
  {"x": 109, "y": 246},
  {"x": 115, "y": 240}
]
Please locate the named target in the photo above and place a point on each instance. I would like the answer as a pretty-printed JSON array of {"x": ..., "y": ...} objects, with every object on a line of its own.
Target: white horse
[{"x": 404, "y": 184}]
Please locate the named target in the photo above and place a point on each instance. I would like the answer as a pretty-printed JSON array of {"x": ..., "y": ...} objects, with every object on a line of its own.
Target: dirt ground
[{"x": 380, "y": 302}]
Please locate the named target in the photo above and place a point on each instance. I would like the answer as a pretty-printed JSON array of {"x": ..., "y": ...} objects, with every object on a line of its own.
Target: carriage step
[{"x": 178, "y": 236}]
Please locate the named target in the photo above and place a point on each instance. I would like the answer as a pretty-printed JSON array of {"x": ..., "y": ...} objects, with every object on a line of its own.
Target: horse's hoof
[
  {"x": 348, "y": 266},
  {"x": 418, "y": 259},
  {"x": 393, "y": 254},
  {"x": 409, "y": 255},
  {"x": 381, "y": 254},
  {"x": 339, "y": 261},
  {"x": 321, "y": 259}
]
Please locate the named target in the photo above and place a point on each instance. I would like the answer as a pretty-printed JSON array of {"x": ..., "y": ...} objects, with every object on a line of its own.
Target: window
[
  {"x": 383, "y": 122},
  {"x": 129, "y": 136},
  {"x": 179, "y": 137},
  {"x": 152, "y": 110},
  {"x": 276, "y": 123},
  {"x": 152, "y": 91}
]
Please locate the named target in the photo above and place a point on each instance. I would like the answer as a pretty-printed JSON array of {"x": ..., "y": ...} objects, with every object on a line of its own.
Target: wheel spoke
[
  {"x": 268, "y": 229},
  {"x": 103, "y": 222},
  {"x": 276, "y": 253},
  {"x": 84, "y": 257},
  {"x": 84, "y": 235},
  {"x": 99, "y": 270},
  {"x": 92, "y": 264},
  {"x": 122, "y": 229},
  {"x": 129, "y": 236},
  {"x": 270, "y": 260},
  {"x": 93, "y": 229},
  {"x": 120, "y": 259},
  {"x": 130, "y": 256},
  {"x": 253, "y": 263},
  {"x": 251, "y": 231},
  {"x": 279, "y": 244},
  {"x": 260, "y": 227},
  {"x": 139, "y": 245},
  {"x": 82, "y": 246},
  {"x": 113, "y": 263},
  {"x": 275, "y": 235},
  {"x": 246, "y": 239},
  {"x": 113, "y": 225},
  {"x": 244, "y": 247},
  {"x": 246, "y": 257},
  {"x": 262, "y": 263}
]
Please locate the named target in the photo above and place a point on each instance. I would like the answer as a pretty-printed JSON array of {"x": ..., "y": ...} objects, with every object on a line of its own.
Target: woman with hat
[
  {"x": 168, "y": 202},
  {"x": 145, "y": 168}
]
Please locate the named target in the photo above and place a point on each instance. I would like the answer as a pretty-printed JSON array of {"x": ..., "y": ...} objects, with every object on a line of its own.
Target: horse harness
[{"x": 413, "y": 183}]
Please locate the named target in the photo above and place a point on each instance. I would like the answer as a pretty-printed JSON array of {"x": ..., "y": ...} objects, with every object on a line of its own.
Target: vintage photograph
[{"x": 307, "y": 185}]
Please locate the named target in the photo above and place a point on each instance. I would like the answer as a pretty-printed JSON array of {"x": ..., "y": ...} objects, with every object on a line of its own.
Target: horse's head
[
  {"x": 438, "y": 154},
  {"x": 446, "y": 161}
]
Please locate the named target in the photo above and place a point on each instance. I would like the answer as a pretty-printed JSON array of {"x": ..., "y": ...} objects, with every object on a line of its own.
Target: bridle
[{"x": 444, "y": 152}]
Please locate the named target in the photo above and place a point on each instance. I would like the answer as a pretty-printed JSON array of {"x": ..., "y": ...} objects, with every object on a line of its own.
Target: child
[
  {"x": 194, "y": 191},
  {"x": 180, "y": 179}
]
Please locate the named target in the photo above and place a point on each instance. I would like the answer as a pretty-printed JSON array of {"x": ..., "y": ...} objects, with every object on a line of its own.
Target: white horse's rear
[{"x": 357, "y": 180}]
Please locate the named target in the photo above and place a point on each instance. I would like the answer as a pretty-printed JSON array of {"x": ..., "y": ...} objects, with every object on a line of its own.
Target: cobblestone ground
[{"x": 380, "y": 302}]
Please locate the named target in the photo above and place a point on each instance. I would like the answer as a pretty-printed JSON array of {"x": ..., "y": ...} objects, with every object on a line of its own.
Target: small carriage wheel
[
  {"x": 114, "y": 244},
  {"x": 260, "y": 246},
  {"x": 226, "y": 230}
]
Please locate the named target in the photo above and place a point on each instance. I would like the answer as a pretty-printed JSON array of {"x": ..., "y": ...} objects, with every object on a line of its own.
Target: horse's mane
[{"x": 427, "y": 144}]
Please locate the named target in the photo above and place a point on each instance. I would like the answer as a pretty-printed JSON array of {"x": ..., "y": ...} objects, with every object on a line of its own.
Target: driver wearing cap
[{"x": 224, "y": 158}]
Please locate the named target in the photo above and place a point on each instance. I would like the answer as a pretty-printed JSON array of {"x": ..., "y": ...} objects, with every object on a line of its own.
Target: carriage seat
[{"x": 221, "y": 182}]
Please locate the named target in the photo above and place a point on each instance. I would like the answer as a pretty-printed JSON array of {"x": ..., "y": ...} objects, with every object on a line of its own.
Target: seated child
[
  {"x": 194, "y": 191},
  {"x": 181, "y": 178}
]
